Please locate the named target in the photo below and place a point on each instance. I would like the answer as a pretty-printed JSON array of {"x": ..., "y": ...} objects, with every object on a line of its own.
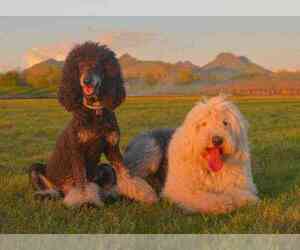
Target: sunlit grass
[{"x": 28, "y": 130}]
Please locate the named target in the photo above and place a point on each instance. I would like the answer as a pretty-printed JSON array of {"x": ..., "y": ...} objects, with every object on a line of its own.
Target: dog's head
[
  {"x": 217, "y": 131},
  {"x": 92, "y": 78}
]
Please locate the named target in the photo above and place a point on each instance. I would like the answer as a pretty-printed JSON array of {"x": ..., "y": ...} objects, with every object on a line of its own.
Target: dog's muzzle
[
  {"x": 91, "y": 84},
  {"x": 95, "y": 92},
  {"x": 217, "y": 141},
  {"x": 214, "y": 154},
  {"x": 92, "y": 89}
]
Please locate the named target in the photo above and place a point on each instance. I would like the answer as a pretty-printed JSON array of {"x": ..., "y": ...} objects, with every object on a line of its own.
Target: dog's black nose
[
  {"x": 217, "y": 140},
  {"x": 87, "y": 80}
]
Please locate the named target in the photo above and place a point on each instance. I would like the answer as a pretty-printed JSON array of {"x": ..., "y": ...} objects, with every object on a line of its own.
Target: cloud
[
  {"x": 120, "y": 42},
  {"x": 5, "y": 68},
  {"x": 37, "y": 55}
]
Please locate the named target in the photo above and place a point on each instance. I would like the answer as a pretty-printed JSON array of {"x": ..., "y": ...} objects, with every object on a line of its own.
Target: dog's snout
[
  {"x": 217, "y": 140},
  {"x": 87, "y": 80}
]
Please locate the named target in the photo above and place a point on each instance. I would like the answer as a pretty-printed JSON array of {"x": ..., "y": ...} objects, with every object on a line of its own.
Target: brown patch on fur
[
  {"x": 113, "y": 138},
  {"x": 86, "y": 135}
]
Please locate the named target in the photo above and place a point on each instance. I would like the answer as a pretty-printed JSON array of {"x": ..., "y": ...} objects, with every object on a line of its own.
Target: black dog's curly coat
[{"x": 92, "y": 88}]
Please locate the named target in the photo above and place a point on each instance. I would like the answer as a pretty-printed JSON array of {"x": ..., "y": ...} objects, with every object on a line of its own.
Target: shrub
[{"x": 10, "y": 79}]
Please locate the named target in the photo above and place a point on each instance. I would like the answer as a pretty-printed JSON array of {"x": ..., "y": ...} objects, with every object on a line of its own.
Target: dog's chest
[
  {"x": 229, "y": 177},
  {"x": 87, "y": 135}
]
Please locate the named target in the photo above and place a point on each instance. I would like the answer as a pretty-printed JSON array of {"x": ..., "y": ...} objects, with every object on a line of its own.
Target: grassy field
[
  {"x": 28, "y": 129},
  {"x": 10, "y": 92}
]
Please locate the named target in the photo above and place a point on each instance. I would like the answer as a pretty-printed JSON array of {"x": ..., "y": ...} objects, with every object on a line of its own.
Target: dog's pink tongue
[
  {"x": 88, "y": 90},
  {"x": 214, "y": 159}
]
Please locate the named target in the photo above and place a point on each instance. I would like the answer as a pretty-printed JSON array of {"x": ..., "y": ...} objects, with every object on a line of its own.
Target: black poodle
[{"x": 92, "y": 88}]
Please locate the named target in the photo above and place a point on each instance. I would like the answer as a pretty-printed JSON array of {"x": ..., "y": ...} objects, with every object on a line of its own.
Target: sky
[
  {"x": 151, "y": 8},
  {"x": 25, "y": 41}
]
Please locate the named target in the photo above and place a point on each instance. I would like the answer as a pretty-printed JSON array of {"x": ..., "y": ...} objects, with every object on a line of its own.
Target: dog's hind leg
[
  {"x": 143, "y": 156},
  {"x": 44, "y": 188},
  {"x": 146, "y": 157}
]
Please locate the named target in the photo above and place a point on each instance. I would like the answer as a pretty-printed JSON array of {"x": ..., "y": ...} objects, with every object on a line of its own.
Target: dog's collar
[
  {"x": 98, "y": 110},
  {"x": 92, "y": 107}
]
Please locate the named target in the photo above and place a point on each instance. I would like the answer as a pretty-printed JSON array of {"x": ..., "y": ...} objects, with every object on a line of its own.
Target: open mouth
[
  {"x": 214, "y": 158},
  {"x": 88, "y": 90}
]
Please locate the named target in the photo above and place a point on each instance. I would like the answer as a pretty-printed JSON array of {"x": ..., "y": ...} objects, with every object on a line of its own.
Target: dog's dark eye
[
  {"x": 225, "y": 123},
  {"x": 203, "y": 124}
]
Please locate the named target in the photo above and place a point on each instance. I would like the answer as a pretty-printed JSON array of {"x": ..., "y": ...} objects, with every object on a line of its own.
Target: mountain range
[
  {"x": 225, "y": 66},
  {"x": 227, "y": 72}
]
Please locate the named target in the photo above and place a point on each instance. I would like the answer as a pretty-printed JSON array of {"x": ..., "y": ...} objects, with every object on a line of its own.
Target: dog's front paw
[
  {"x": 49, "y": 194},
  {"x": 89, "y": 195},
  {"x": 242, "y": 198},
  {"x": 227, "y": 206},
  {"x": 252, "y": 199},
  {"x": 216, "y": 204},
  {"x": 223, "y": 204},
  {"x": 136, "y": 188}
]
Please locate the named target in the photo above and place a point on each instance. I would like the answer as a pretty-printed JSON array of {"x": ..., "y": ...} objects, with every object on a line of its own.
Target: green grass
[
  {"x": 28, "y": 129},
  {"x": 27, "y": 92}
]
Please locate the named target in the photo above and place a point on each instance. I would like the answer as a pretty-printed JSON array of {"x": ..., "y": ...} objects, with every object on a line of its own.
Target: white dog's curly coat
[{"x": 206, "y": 161}]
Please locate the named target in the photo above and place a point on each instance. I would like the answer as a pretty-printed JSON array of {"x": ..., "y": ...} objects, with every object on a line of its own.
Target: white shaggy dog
[{"x": 204, "y": 165}]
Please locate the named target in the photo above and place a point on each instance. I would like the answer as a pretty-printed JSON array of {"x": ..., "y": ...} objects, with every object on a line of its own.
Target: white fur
[
  {"x": 190, "y": 183},
  {"x": 135, "y": 187},
  {"x": 90, "y": 194},
  {"x": 51, "y": 192}
]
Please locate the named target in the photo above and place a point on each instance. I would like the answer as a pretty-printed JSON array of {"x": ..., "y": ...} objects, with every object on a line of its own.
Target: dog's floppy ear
[
  {"x": 115, "y": 92},
  {"x": 69, "y": 92}
]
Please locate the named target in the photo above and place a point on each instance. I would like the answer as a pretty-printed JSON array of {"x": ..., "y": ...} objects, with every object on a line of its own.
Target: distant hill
[
  {"x": 127, "y": 60},
  {"x": 49, "y": 62},
  {"x": 227, "y": 73},
  {"x": 238, "y": 75},
  {"x": 134, "y": 70},
  {"x": 45, "y": 64},
  {"x": 227, "y": 65},
  {"x": 155, "y": 72},
  {"x": 44, "y": 74},
  {"x": 272, "y": 84},
  {"x": 188, "y": 65}
]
